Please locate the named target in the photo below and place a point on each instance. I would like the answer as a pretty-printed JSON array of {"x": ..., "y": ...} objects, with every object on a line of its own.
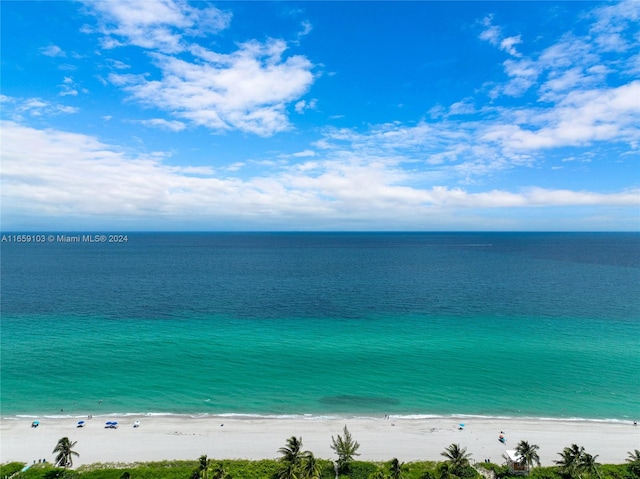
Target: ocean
[{"x": 543, "y": 325}]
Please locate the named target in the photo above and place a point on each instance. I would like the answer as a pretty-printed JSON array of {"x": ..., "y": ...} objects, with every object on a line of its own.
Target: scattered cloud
[
  {"x": 68, "y": 87},
  {"x": 580, "y": 118},
  {"x": 615, "y": 24},
  {"x": 303, "y": 105},
  {"x": 53, "y": 51},
  {"x": 246, "y": 90},
  {"x": 493, "y": 34},
  {"x": 117, "y": 64},
  {"x": 19, "y": 108},
  {"x": 304, "y": 154},
  {"x": 164, "y": 124},
  {"x": 508, "y": 45},
  {"x": 56, "y": 173},
  {"x": 159, "y": 25},
  {"x": 576, "y": 93},
  {"x": 306, "y": 29}
]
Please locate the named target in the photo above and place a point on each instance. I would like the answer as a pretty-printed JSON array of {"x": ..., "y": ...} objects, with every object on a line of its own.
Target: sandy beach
[{"x": 408, "y": 439}]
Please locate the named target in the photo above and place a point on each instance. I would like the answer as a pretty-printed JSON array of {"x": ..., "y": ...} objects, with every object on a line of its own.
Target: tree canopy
[{"x": 346, "y": 449}]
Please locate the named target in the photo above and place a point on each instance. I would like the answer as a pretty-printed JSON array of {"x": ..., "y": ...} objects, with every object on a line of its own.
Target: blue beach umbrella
[{"x": 80, "y": 423}]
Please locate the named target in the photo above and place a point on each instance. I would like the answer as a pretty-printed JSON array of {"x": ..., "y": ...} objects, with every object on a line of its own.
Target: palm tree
[
  {"x": 396, "y": 469},
  {"x": 310, "y": 467},
  {"x": 569, "y": 462},
  {"x": 457, "y": 458},
  {"x": 634, "y": 463},
  {"x": 588, "y": 464},
  {"x": 292, "y": 452},
  {"x": 65, "y": 452},
  {"x": 345, "y": 447},
  {"x": 574, "y": 461},
  {"x": 634, "y": 456},
  {"x": 202, "y": 471},
  {"x": 288, "y": 472},
  {"x": 528, "y": 454}
]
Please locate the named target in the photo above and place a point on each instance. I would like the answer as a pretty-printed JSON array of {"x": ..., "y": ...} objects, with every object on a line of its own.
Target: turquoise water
[{"x": 536, "y": 325}]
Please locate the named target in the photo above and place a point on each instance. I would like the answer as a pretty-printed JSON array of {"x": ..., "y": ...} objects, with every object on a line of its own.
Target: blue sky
[{"x": 428, "y": 116}]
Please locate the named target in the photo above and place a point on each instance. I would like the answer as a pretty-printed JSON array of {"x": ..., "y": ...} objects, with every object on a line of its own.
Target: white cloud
[
  {"x": 615, "y": 25},
  {"x": 247, "y": 90},
  {"x": 156, "y": 24},
  {"x": 58, "y": 174},
  {"x": 117, "y": 64},
  {"x": 18, "y": 108},
  {"x": 574, "y": 62},
  {"x": 53, "y": 51},
  {"x": 303, "y": 105},
  {"x": 580, "y": 118},
  {"x": 306, "y": 28},
  {"x": 508, "y": 45},
  {"x": 471, "y": 150},
  {"x": 164, "y": 124},
  {"x": 463, "y": 107},
  {"x": 305, "y": 153},
  {"x": 68, "y": 87},
  {"x": 493, "y": 34}
]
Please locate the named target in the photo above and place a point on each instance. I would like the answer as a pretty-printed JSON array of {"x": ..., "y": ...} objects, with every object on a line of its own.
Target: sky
[{"x": 167, "y": 115}]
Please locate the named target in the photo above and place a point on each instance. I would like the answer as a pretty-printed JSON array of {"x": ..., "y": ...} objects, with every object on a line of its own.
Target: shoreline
[
  {"x": 310, "y": 416},
  {"x": 233, "y": 436}
]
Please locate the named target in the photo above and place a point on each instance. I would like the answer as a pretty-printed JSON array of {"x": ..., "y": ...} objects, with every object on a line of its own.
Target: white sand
[{"x": 179, "y": 437}]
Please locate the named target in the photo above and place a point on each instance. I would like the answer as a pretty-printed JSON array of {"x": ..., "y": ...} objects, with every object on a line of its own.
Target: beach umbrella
[
  {"x": 461, "y": 425},
  {"x": 80, "y": 423}
]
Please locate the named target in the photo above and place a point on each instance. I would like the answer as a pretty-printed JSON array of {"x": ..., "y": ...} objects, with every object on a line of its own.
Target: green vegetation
[
  {"x": 575, "y": 463},
  {"x": 346, "y": 448},
  {"x": 269, "y": 469},
  {"x": 10, "y": 468},
  {"x": 202, "y": 471},
  {"x": 457, "y": 463},
  {"x": 528, "y": 454},
  {"x": 295, "y": 463},
  {"x": 634, "y": 463}
]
